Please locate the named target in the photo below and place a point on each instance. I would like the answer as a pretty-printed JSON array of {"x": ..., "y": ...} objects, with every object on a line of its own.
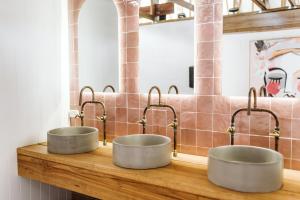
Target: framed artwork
[{"x": 275, "y": 64}]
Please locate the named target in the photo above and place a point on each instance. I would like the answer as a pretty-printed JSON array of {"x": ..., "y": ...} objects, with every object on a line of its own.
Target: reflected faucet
[
  {"x": 174, "y": 124},
  {"x": 263, "y": 91},
  {"x": 109, "y": 87},
  {"x": 173, "y": 87},
  {"x": 102, "y": 118},
  {"x": 81, "y": 93},
  {"x": 249, "y": 109}
]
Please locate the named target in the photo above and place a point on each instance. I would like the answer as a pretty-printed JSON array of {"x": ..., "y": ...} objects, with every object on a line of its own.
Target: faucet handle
[
  {"x": 231, "y": 130},
  {"x": 275, "y": 133},
  {"x": 102, "y": 118},
  {"x": 174, "y": 124},
  {"x": 142, "y": 121}
]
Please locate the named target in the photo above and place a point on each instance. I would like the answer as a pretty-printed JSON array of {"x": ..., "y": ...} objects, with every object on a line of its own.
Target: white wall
[
  {"x": 166, "y": 52},
  {"x": 98, "y": 44},
  {"x": 32, "y": 100},
  {"x": 235, "y": 68}
]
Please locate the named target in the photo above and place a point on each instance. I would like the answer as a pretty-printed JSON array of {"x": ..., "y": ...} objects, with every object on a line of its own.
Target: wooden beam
[
  {"x": 292, "y": 2},
  {"x": 260, "y": 4},
  {"x": 157, "y": 9},
  {"x": 273, "y": 19},
  {"x": 184, "y": 4}
]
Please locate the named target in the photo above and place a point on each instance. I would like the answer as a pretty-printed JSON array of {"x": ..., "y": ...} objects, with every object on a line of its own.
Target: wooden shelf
[
  {"x": 94, "y": 174},
  {"x": 270, "y": 20}
]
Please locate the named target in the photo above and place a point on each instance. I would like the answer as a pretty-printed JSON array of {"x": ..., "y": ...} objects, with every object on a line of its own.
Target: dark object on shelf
[
  {"x": 181, "y": 15},
  {"x": 234, "y": 10},
  {"x": 191, "y": 77},
  {"x": 162, "y": 17}
]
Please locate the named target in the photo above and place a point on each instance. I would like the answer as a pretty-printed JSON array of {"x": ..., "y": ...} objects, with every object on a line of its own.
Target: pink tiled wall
[{"x": 203, "y": 117}]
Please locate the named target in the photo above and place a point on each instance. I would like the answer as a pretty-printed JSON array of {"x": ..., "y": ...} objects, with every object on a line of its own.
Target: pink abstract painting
[{"x": 275, "y": 64}]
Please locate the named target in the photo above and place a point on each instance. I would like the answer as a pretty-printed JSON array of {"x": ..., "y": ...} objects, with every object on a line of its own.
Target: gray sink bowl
[
  {"x": 142, "y": 151},
  {"x": 72, "y": 140},
  {"x": 245, "y": 168}
]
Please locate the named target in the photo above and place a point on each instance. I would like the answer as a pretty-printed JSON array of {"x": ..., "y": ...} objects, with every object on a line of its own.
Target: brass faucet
[
  {"x": 107, "y": 87},
  {"x": 173, "y": 87},
  {"x": 102, "y": 118},
  {"x": 251, "y": 91},
  {"x": 81, "y": 93},
  {"x": 174, "y": 124},
  {"x": 263, "y": 91},
  {"x": 249, "y": 109}
]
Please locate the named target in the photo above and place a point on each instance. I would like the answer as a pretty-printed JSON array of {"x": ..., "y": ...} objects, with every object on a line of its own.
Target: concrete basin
[
  {"x": 72, "y": 140},
  {"x": 142, "y": 151},
  {"x": 245, "y": 168}
]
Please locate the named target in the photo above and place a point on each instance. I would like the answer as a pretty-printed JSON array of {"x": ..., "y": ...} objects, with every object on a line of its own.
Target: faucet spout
[
  {"x": 263, "y": 91},
  {"x": 81, "y": 93},
  {"x": 109, "y": 87},
  {"x": 251, "y": 91},
  {"x": 102, "y": 118},
  {"x": 173, "y": 87},
  {"x": 150, "y": 93}
]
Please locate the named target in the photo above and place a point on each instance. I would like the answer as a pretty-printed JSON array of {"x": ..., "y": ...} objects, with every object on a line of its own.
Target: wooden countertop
[{"x": 93, "y": 174}]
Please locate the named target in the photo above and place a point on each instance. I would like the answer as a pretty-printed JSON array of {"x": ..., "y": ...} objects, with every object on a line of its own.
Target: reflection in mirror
[
  {"x": 268, "y": 59},
  {"x": 98, "y": 44},
  {"x": 166, "y": 56}
]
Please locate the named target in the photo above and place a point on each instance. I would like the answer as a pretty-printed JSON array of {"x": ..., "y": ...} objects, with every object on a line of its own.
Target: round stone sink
[
  {"x": 142, "y": 151},
  {"x": 72, "y": 140},
  {"x": 245, "y": 168}
]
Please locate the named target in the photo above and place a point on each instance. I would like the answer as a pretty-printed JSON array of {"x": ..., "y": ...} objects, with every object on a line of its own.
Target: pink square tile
[
  {"x": 188, "y": 120},
  {"x": 218, "y": 12},
  {"x": 133, "y": 100},
  {"x": 205, "y": 68},
  {"x": 205, "y": 32},
  {"x": 260, "y": 124},
  {"x": 202, "y": 151},
  {"x": 217, "y": 68},
  {"x": 132, "y": 85},
  {"x": 295, "y": 149},
  {"x": 188, "y": 103},
  {"x": 295, "y": 164},
  {"x": 132, "y": 24},
  {"x": 121, "y": 129},
  {"x": 204, "y": 104},
  {"x": 204, "y": 121},
  {"x": 132, "y": 10},
  {"x": 220, "y": 139},
  {"x": 204, "y": 86},
  {"x": 282, "y": 107},
  {"x": 221, "y": 105},
  {"x": 134, "y": 129},
  {"x": 188, "y": 149},
  {"x": 296, "y": 128},
  {"x": 133, "y": 115},
  {"x": 218, "y": 86},
  {"x": 204, "y": 138},
  {"x": 188, "y": 137},
  {"x": 284, "y": 146},
  {"x": 205, "y": 50},
  {"x": 132, "y": 54},
  {"x": 296, "y": 108},
  {"x": 241, "y": 139},
  {"x": 218, "y": 31},
  {"x": 259, "y": 141},
  {"x": 132, "y": 70},
  {"x": 160, "y": 118},
  {"x": 221, "y": 122},
  {"x": 121, "y": 114},
  {"x": 204, "y": 14},
  {"x": 133, "y": 39},
  {"x": 175, "y": 102},
  {"x": 121, "y": 101},
  {"x": 242, "y": 123}
]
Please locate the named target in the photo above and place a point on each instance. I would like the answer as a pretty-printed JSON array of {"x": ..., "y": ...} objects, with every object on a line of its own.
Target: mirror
[
  {"x": 270, "y": 59},
  {"x": 98, "y": 46},
  {"x": 167, "y": 56}
]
